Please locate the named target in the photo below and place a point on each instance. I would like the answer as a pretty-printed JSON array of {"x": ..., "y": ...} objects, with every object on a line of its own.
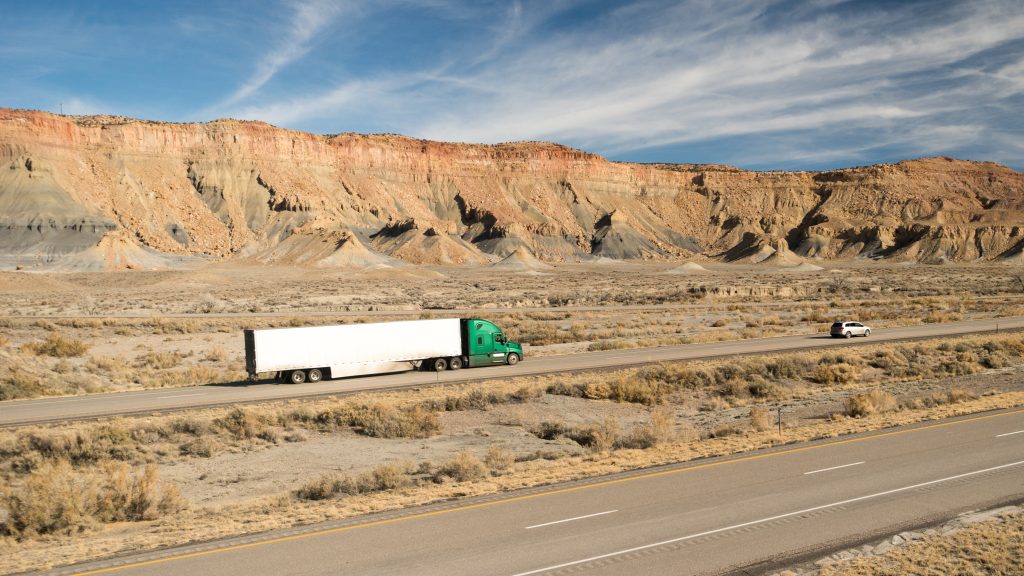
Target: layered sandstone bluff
[{"x": 100, "y": 192}]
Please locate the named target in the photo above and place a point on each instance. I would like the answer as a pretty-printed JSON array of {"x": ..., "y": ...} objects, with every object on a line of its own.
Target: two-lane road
[
  {"x": 20, "y": 412},
  {"x": 705, "y": 517}
]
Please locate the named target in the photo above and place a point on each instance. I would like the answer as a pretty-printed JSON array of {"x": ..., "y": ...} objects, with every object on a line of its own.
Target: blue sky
[{"x": 758, "y": 84}]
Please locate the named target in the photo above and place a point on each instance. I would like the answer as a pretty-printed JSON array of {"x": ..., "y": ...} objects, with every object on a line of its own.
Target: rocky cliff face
[{"x": 157, "y": 194}]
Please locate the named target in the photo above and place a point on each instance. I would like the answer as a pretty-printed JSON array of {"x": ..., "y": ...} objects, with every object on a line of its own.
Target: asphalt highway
[
  {"x": 748, "y": 512},
  {"x": 20, "y": 412}
]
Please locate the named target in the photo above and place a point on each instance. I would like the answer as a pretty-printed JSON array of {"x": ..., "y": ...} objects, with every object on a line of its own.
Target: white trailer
[{"x": 317, "y": 352}]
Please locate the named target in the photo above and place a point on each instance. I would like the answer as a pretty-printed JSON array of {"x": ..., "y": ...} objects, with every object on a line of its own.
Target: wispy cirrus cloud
[
  {"x": 355, "y": 94},
  {"x": 808, "y": 80},
  {"x": 662, "y": 88},
  {"x": 759, "y": 83},
  {"x": 308, "y": 19},
  {"x": 79, "y": 106}
]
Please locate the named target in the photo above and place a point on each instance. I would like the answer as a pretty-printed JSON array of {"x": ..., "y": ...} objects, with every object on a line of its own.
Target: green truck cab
[{"x": 483, "y": 344}]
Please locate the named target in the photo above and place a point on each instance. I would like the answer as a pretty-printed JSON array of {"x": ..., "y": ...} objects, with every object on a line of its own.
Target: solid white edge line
[
  {"x": 770, "y": 519},
  {"x": 834, "y": 468},
  {"x": 1010, "y": 433},
  {"x": 571, "y": 519}
]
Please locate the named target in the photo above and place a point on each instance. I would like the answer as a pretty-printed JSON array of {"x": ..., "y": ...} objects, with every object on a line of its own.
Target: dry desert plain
[{"x": 79, "y": 490}]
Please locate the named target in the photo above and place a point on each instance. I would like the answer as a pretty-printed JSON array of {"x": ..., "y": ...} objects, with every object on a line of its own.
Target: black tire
[
  {"x": 439, "y": 364},
  {"x": 512, "y": 359},
  {"x": 867, "y": 333},
  {"x": 297, "y": 377},
  {"x": 848, "y": 334},
  {"x": 315, "y": 375},
  {"x": 454, "y": 363}
]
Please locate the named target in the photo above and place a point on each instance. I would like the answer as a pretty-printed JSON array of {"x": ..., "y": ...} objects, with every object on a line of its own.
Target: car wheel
[
  {"x": 867, "y": 333},
  {"x": 512, "y": 359},
  {"x": 848, "y": 334}
]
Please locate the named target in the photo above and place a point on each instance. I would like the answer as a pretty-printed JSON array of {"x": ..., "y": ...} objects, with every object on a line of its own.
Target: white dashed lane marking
[{"x": 833, "y": 468}]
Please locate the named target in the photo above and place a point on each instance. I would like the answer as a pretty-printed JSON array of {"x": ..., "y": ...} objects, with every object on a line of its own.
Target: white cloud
[
  {"x": 291, "y": 111},
  {"x": 658, "y": 74},
  {"x": 81, "y": 107},
  {"x": 309, "y": 18},
  {"x": 1013, "y": 75},
  {"x": 753, "y": 83}
]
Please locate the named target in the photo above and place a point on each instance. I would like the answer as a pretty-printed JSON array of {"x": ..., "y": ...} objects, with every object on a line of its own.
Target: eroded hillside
[{"x": 103, "y": 192}]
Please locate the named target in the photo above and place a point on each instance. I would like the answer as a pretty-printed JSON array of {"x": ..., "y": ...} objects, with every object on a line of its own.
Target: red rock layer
[{"x": 230, "y": 189}]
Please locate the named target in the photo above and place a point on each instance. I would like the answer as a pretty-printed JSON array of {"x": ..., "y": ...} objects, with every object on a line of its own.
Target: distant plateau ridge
[{"x": 105, "y": 193}]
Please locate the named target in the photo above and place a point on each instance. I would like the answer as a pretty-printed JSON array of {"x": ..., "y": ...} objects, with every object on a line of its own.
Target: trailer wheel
[
  {"x": 297, "y": 377},
  {"x": 512, "y": 359},
  {"x": 315, "y": 375},
  {"x": 439, "y": 364},
  {"x": 454, "y": 363}
]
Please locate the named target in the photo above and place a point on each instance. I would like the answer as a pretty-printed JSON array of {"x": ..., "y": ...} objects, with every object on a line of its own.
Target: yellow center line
[{"x": 548, "y": 493}]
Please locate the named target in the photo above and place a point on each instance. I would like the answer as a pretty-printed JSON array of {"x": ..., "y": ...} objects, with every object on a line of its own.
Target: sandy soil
[
  {"x": 195, "y": 318},
  {"x": 233, "y": 477},
  {"x": 153, "y": 329}
]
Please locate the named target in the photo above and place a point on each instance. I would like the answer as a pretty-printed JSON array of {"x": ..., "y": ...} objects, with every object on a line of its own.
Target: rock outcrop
[
  {"x": 687, "y": 268},
  {"x": 521, "y": 259},
  {"x": 230, "y": 189}
]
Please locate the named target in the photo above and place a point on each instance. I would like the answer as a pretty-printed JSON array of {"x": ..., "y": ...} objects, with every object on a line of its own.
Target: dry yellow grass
[
  {"x": 464, "y": 467},
  {"x": 995, "y": 547},
  {"x": 57, "y": 500},
  {"x": 414, "y": 414},
  {"x": 873, "y": 402},
  {"x": 282, "y": 510},
  {"x": 205, "y": 348},
  {"x": 760, "y": 419},
  {"x": 154, "y": 350},
  {"x": 58, "y": 346},
  {"x": 381, "y": 478}
]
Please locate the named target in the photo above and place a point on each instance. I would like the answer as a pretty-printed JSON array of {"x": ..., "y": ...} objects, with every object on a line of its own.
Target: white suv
[{"x": 849, "y": 329}]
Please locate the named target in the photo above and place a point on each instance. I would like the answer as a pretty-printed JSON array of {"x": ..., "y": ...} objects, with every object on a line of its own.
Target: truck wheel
[
  {"x": 297, "y": 377},
  {"x": 439, "y": 364},
  {"x": 315, "y": 375},
  {"x": 512, "y": 359},
  {"x": 454, "y": 363}
]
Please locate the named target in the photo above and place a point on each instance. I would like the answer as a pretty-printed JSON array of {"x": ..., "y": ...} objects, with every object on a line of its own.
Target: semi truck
[{"x": 313, "y": 353}]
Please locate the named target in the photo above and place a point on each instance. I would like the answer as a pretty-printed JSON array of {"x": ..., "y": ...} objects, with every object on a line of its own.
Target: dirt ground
[
  {"x": 282, "y": 463},
  {"x": 165, "y": 329},
  {"x": 234, "y": 476}
]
